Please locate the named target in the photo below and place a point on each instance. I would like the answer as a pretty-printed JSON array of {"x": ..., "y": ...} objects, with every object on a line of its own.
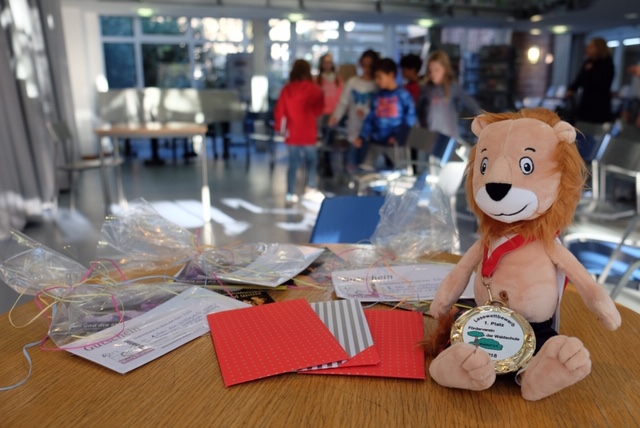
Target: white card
[
  {"x": 155, "y": 333},
  {"x": 394, "y": 283}
]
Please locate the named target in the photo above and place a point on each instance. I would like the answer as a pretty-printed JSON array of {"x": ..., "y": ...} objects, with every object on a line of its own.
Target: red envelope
[
  {"x": 261, "y": 341},
  {"x": 396, "y": 335}
]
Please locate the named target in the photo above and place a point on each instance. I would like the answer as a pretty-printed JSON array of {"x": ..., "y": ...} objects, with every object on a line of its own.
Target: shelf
[{"x": 496, "y": 68}]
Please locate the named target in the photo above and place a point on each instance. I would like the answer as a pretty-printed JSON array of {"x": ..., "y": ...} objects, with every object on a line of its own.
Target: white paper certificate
[
  {"x": 153, "y": 334},
  {"x": 394, "y": 283}
]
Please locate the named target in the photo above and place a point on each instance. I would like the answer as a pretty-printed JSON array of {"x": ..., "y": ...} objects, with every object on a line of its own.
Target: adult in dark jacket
[{"x": 595, "y": 79}]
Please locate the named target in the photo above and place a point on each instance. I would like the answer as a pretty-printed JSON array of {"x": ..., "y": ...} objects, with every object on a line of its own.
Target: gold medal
[{"x": 504, "y": 334}]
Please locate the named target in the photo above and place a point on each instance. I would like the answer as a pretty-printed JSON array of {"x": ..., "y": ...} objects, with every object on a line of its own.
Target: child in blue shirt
[{"x": 392, "y": 115}]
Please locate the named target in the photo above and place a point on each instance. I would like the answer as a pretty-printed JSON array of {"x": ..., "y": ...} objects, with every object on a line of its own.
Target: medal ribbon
[{"x": 490, "y": 263}]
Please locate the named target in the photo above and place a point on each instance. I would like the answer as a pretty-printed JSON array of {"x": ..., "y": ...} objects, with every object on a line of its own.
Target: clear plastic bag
[
  {"x": 140, "y": 242},
  {"x": 256, "y": 263},
  {"x": 415, "y": 224},
  {"x": 89, "y": 308},
  {"x": 29, "y": 267}
]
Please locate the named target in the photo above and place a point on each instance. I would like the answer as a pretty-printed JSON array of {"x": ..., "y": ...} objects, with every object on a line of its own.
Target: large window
[
  {"x": 165, "y": 25},
  {"x": 166, "y": 65},
  {"x": 116, "y": 26},
  {"x": 172, "y": 52},
  {"x": 309, "y": 40},
  {"x": 214, "y": 52},
  {"x": 358, "y": 37},
  {"x": 121, "y": 65}
]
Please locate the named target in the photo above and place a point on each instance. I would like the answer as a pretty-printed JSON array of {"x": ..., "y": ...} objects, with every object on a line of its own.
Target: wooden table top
[
  {"x": 185, "y": 388},
  {"x": 151, "y": 129}
]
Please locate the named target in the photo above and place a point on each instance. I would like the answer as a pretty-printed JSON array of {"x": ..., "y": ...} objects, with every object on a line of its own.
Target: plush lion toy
[{"x": 524, "y": 180}]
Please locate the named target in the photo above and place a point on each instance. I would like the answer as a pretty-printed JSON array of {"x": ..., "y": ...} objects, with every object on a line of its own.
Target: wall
[
  {"x": 85, "y": 59},
  {"x": 533, "y": 79}
]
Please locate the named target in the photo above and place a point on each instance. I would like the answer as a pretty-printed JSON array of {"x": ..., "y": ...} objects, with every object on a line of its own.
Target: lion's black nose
[{"x": 497, "y": 191}]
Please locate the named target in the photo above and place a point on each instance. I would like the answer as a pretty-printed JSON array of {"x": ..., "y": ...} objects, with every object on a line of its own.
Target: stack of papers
[
  {"x": 254, "y": 342},
  {"x": 322, "y": 338}
]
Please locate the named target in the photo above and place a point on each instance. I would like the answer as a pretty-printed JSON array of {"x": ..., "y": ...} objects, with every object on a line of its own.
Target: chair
[
  {"x": 591, "y": 137},
  {"x": 615, "y": 263},
  {"x": 259, "y": 129},
  {"x": 174, "y": 105},
  {"x": 333, "y": 152},
  {"x": 347, "y": 219},
  {"x": 220, "y": 108},
  {"x": 63, "y": 139},
  {"x": 424, "y": 142},
  {"x": 619, "y": 156}
]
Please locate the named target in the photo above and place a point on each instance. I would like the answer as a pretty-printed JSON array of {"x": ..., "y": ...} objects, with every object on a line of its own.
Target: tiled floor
[{"x": 248, "y": 202}]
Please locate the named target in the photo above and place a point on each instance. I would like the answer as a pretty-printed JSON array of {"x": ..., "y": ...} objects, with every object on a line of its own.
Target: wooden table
[
  {"x": 185, "y": 388},
  {"x": 159, "y": 130}
]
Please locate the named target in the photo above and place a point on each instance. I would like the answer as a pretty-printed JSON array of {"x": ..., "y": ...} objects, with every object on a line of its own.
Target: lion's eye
[
  {"x": 526, "y": 165},
  {"x": 483, "y": 165}
]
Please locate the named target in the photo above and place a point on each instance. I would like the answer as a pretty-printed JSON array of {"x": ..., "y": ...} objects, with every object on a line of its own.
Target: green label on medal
[{"x": 505, "y": 335}]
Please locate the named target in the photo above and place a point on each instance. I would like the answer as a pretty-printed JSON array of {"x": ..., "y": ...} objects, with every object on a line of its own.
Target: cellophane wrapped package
[
  {"x": 30, "y": 267},
  {"x": 415, "y": 224},
  {"x": 142, "y": 243}
]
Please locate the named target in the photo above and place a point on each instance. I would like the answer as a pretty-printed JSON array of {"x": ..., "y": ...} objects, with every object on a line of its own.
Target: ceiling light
[
  {"x": 613, "y": 43},
  {"x": 536, "y": 18},
  {"x": 535, "y": 32},
  {"x": 295, "y": 17},
  {"x": 559, "y": 29},
  {"x": 548, "y": 58},
  {"x": 425, "y": 23},
  {"x": 533, "y": 54},
  {"x": 349, "y": 26},
  {"x": 145, "y": 12},
  {"x": 631, "y": 42}
]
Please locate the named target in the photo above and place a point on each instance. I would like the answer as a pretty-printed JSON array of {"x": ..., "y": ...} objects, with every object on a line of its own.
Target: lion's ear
[
  {"x": 565, "y": 132},
  {"x": 478, "y": 124}
]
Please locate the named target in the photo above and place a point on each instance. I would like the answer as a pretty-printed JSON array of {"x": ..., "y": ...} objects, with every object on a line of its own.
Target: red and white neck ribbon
[{"x": 490, "y": 262}]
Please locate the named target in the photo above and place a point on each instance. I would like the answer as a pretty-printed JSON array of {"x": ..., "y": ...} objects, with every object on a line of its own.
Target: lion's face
[{"x": 515, "y": 175}]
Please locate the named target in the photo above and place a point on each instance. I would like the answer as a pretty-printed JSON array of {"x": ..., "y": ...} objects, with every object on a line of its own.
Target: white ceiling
[{"x": 601, "y": 15}]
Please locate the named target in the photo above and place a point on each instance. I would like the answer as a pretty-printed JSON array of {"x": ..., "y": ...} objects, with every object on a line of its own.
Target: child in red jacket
[{"x": 296, "y": 115}]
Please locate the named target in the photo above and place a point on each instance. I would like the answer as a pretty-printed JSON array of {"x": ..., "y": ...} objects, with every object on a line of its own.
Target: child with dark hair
[
  {"x": 410, "y": 66},
  {"x": 392, "y": 115},
  {"x": 355, "y": 102},
  {"x": 296, "y": 116}
]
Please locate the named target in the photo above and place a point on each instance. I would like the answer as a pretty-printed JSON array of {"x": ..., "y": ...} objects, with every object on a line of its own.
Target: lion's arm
[
  {"x": 592, "y": 293},
  {"x": 454, "y": 284}
]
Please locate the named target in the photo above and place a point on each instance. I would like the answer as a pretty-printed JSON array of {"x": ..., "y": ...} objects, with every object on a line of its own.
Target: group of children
[{"x": 379, "y": 111}]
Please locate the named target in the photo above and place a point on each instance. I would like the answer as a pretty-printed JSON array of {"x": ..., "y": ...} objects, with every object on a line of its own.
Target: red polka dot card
[
  {"x": 261, "y": 341},
  {"x": 396, "y": 335}
]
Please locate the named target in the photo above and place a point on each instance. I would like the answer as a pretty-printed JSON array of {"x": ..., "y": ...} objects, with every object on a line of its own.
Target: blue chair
[{"x": 347, "y": 219}]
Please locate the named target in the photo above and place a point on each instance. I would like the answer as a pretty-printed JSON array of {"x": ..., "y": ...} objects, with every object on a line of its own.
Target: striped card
[{"x": 347, "y": 322}]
